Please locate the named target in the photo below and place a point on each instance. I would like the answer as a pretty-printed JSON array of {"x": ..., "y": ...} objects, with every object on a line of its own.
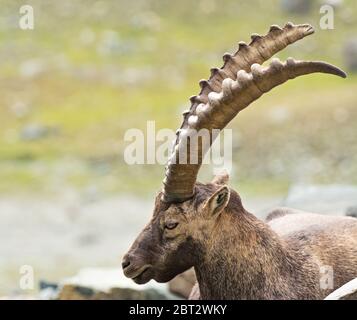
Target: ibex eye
[{"x": 171, "y": 225}]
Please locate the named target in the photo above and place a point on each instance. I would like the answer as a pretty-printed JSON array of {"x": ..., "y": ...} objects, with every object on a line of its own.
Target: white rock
[{"x": 346, "y": 291}]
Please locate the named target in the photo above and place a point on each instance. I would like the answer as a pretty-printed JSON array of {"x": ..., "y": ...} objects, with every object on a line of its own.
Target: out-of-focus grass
[{"x": 93, "y": 69}]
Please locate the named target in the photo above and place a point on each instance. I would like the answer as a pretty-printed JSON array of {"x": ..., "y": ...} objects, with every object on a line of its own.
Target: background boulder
[{"x": 296, "y": 6}]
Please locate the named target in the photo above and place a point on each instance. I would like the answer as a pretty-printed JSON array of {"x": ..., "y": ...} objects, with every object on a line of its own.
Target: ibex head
[
  {"x": 185, "y": 211},
  {"x": 168, "y": 245}
]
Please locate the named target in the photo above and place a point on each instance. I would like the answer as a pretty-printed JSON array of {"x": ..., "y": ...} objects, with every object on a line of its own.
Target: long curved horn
[{"x": 229, "y": 90}]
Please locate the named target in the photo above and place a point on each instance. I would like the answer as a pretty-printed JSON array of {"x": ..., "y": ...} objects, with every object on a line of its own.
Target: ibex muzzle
[{"x": 153, "y": 257}]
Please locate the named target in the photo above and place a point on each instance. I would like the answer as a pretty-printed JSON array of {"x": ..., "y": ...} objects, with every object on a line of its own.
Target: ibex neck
[{"x": 244, "y": 259}]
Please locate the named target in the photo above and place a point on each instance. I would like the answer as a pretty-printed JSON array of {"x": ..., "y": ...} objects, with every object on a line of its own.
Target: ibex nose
[{"x": 126, "y": 262}]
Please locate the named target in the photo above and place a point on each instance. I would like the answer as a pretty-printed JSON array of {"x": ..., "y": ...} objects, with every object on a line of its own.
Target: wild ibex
[{"x": 234, "y": 254}]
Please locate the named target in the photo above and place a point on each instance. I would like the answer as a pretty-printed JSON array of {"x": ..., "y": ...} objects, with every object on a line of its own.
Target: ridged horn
[{"x": 220, "y": 101}]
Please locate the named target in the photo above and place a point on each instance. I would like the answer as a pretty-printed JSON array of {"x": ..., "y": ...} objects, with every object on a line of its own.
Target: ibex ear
[
  {"x": 218, "y": 201},
  {"x": 221, "y": 178}
]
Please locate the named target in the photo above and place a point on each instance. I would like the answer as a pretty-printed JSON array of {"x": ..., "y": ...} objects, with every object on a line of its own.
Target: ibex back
[{"x": 234, "y": 254}]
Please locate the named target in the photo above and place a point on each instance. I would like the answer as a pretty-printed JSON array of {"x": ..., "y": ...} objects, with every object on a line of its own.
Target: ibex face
[{"x": 169, "y": 244}]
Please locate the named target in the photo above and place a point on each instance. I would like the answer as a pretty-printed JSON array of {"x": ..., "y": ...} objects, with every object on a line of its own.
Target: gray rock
[
  {"x": 36, "y": 131},
  {"x": 333, "y": 3},
  {"x": 20, "y": 109},
  {"x": 110, "y": 43},
  {"x": 296, "y": 6},
  {"x": 352, "y": 212},
  {"x": 148, "y": 20},
  {"x": 73, "y": 292},
  {"x": 49, "y": 293},
  {"x": 32, "y": 68},
  {"x": 328, "y": 199},
  {"x": 350, "y": 54},
  {"x": 45, "y": 285},
  {"x": 109, "y": 284}
]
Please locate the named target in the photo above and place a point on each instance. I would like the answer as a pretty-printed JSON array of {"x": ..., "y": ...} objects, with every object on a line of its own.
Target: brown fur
[{"x": 237, "y": 256}]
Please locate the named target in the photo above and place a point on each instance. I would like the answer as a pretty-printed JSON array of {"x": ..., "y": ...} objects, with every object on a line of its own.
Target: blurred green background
[{"x": 90, "y": 70}]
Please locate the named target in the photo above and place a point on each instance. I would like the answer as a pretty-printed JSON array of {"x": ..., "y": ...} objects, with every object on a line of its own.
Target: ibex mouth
[
  {"x": 142, "y": 277},
  {"x": 139, "y": 275}
]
